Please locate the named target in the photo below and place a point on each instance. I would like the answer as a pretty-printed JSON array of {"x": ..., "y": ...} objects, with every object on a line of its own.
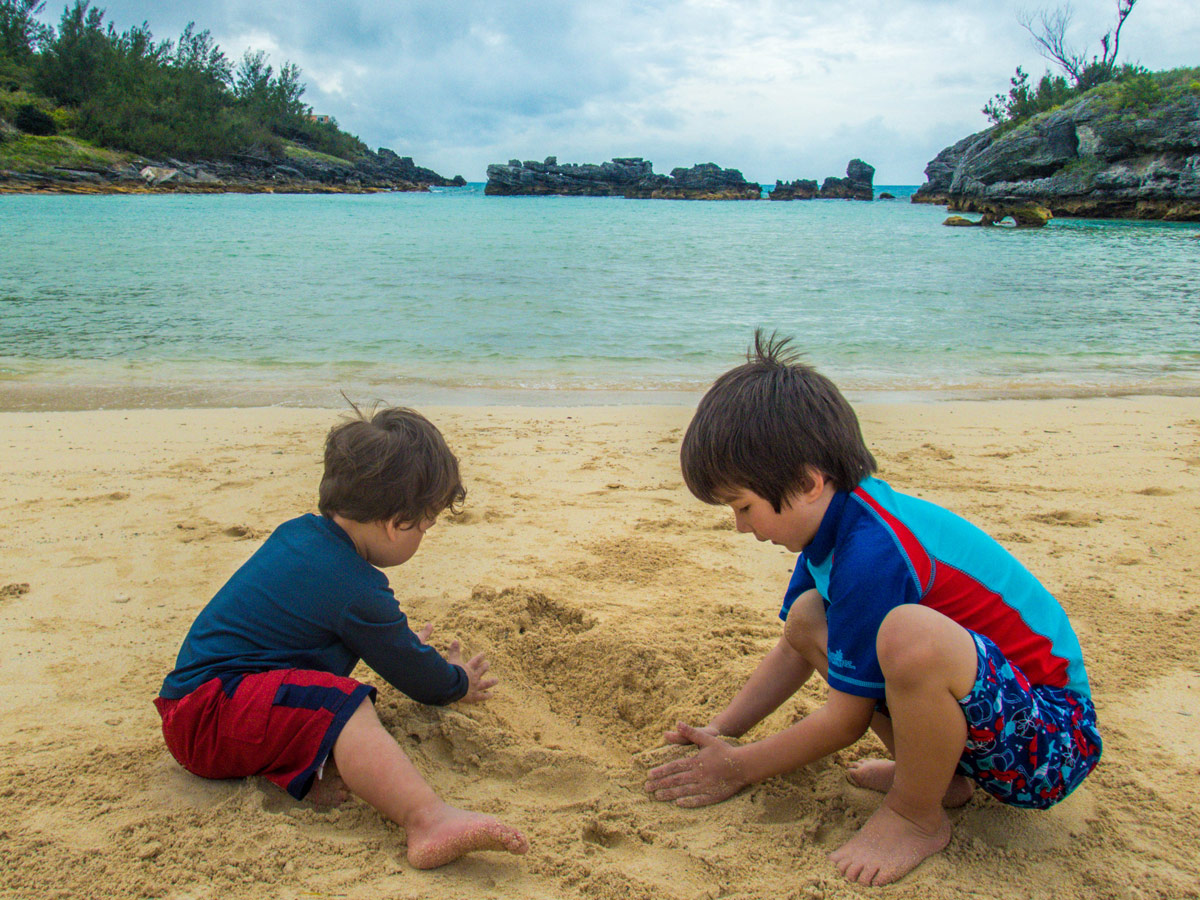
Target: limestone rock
[
  {"x": 800, "y": 189},
  {"x": 857, "y": 185},
  {"x": 630, "y": 177},
  {"x": 1092, "y": 157}
]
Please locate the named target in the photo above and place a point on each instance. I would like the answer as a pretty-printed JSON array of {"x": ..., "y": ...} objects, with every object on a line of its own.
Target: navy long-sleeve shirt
[{"x": 307, "y": 600}]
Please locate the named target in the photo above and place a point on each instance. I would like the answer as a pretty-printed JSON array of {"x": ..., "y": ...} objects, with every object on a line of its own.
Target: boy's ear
[{"x": 816, "y": 482}]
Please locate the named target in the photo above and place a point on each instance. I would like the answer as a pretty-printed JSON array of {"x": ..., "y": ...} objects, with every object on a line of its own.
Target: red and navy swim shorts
[
  {"x": 1027, "y": 745},
  {"x": 280, "y": 724}
]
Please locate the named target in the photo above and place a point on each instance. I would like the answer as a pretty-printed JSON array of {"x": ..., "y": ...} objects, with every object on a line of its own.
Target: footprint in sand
[
  {"x": 1069, "y": 517},
  {"x": 12, "y": 591}
]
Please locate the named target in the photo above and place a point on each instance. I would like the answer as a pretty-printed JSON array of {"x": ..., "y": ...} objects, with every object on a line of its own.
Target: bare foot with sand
[
  {"x": 878, "y": 774},
  {"x": 329, "y": 791},
  {"x": 888, "y": 847},
  {"x": 444, "y": 833}
]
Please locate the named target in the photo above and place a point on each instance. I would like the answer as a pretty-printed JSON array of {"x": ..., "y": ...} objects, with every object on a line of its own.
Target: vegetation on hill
[
  {"x": 88, "y": 83},
  {"x": 1080, "y": 74}
]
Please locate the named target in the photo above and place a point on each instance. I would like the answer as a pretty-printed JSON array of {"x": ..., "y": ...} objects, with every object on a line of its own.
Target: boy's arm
[
  {"x": 780, "y": 674},
  {"x": 377, "y": 631},
  {"x": 719, "y": 770}
]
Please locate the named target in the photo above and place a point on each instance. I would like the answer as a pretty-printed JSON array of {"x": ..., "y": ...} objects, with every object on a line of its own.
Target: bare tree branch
[
  {"x": 1124, "y": 8},
  {"x": 1048, "y": 28},
  {"x": 1049, "y": 33}
]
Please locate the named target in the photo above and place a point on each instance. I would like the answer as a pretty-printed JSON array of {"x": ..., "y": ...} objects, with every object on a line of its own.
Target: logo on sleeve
[{"x": 838, "y": 661}]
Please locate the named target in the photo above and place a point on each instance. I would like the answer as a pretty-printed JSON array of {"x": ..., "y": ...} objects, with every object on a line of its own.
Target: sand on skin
[{"x": 610, "y": 603}]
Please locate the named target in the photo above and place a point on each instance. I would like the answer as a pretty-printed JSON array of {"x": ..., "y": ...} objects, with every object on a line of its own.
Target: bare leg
[
  {"x": 877, "y": 774},
  {"x": 928, "y": 663},
  {"x": 807, "y": 630},
  {"x": 376, "y": 769}
]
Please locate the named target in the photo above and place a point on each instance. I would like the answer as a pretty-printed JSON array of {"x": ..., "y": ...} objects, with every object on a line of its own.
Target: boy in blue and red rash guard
[
  {"x": 926, "y": 629},
  {"x": 262, "y": 683}
]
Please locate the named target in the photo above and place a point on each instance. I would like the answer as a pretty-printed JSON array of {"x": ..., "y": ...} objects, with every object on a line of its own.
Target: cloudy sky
[{"x": 777, "y": 88}]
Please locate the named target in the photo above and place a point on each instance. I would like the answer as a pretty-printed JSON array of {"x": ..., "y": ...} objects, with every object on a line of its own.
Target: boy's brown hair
[
  {"x": 391, "y": 466},
  {"x": 763, "y": 424}
]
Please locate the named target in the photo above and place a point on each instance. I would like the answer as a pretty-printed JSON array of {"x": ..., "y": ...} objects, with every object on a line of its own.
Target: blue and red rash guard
[
  {"x": 876, "y": 549},
  {"x": 306, "y": 600}
]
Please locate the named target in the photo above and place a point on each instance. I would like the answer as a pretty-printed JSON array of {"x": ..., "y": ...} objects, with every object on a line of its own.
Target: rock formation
[
  {"x": 248, "y": 172},
  {"x": 857, "y": 185},
  {"x": 800, "y": 189},
  {"x": 1094, "y": 157},
  {"x": 630, "y": 177},
  {"x": 1026, "y": 215}
]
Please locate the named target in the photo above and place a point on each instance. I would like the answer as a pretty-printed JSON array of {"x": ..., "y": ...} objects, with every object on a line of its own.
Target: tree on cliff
[
  {"x": 1048, "y": 31},
  {"x": 128, "y": 91},
  {"x": 1050, "y": 34},
  {"x": 20, "y": 31}
]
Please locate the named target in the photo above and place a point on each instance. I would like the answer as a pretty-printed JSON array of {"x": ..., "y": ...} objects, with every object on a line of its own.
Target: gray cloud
[{"x": 776, "y": 88}]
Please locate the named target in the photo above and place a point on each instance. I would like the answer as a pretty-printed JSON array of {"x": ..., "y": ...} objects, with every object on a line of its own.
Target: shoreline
[{"x": 23, "y": 396}]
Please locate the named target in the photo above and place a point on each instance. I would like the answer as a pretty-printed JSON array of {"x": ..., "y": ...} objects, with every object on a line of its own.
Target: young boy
[
  {"x": 892, "y": 599},
  {"x": 261, "y": 684}
]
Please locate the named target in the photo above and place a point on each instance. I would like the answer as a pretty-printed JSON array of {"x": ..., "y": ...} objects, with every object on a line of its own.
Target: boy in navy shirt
[
  {"x": 261, "y": 685},
  {"x": 926, "y": 629}
]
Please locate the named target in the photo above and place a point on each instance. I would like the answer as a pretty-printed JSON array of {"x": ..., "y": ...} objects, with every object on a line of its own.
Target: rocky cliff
[
  {"x": 1106, "y": 154},
  {"x": 250, "y": 172},
  {"x": 630, "y": 177}
]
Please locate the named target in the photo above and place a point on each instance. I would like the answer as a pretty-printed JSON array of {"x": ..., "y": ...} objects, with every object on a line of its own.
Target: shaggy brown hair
[
  {"x": 762, "y": 425},
  {"x": 391, "y": 466}
]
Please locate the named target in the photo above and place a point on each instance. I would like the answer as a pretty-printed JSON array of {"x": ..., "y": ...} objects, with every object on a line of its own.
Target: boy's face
[{"x": 793, "y": 527}]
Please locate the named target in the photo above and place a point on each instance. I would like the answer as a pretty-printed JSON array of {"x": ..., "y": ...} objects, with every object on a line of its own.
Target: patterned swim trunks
[{"x": 1027, "y": 745}]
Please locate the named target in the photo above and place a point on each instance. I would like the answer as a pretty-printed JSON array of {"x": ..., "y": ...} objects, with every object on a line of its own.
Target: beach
[{"x": 610, "y": 603}]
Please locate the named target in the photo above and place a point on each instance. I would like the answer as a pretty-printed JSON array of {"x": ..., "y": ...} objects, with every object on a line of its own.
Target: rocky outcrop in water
[
  {"x": 800, "y": 189},
  {"x": 1099, "y": 156},
  {"x": 630, "y": 177},
  {"x": 250, "y": 172},
  {"x": 1023, "y": 216},
  {"x": 857, "y": 185}
]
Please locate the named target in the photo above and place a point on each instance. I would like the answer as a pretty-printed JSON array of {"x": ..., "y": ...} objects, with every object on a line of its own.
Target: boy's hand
[
  {"x": 712, "y": 775},
  {"x": 424, "y": 633},
  {"x": 675, "y": 737},
  {"x": 478, "y": 687}
]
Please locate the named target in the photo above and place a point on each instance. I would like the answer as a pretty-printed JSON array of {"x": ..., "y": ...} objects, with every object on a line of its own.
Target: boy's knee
[
  {"x": 907, "y": 643},
  {"x": 916, "y": 643},
  {"x": 806, "y": 626}
]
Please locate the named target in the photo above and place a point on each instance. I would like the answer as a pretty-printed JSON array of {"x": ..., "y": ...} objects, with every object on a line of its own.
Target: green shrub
[
  {"x": 1139, "y": 92},
  {"x": 32, "y": 120}
]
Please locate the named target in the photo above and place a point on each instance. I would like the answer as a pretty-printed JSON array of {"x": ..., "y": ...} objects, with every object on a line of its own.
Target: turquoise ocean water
[{"x": 456, "y": 297}]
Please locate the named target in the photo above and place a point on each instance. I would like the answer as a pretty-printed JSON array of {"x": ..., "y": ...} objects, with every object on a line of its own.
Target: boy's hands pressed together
[
  {"x": 712, "y": 775},
  {"x": 479, "y": 687},
  {"x": 675, "y": 737}
]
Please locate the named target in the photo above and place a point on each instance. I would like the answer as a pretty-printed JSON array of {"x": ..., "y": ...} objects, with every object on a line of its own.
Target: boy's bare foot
[
  {"x": 888, "y": 847},
  {"x": 877, "y": 775},
  {"x": 329, "y": 791},
  {"x": 443, "y": 834}
]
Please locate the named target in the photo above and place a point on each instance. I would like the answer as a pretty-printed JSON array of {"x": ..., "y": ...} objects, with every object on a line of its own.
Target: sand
[{"x": 610, "y": 603}]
